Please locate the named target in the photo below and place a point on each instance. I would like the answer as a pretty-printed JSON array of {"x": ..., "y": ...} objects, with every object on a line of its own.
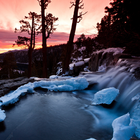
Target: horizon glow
[{"x": 14, "y": 11}]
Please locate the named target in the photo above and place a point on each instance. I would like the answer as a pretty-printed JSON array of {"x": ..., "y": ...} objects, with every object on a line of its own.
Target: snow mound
[
  {"x": 71, "y": 84},
  {"x": 135, "y": 119},
  {"x": 53, "y": 77},
  {"x": 121, "y": 128},
  {"x": 105, "y": 96},
  {"x": 64, "y": 85},
  {"x": 2, "y": 115}
]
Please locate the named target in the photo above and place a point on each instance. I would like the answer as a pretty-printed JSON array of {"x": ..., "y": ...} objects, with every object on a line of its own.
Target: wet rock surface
[
  {"x": 132, "y": 65},
  {"x": 106, "y": 57}
]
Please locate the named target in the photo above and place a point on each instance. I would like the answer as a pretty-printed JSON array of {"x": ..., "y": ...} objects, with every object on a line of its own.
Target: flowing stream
[{"x": 47, "y": 115}]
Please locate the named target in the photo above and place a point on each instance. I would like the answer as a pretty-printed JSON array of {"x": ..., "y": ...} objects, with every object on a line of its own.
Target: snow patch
[
  {"x": 121, "y": 128},
  {"x": 53, "y": 77},
  {"x": 2, "y": 115},
  {"x": 91, "y": 139},
  {"x": 86, "y": 60},
  {"x": 115, "y": 51},
  {"x": 105, "y": 96}
]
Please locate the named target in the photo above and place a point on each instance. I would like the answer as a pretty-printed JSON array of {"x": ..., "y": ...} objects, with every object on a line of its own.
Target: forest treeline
[{"x": 120, "y": 26}]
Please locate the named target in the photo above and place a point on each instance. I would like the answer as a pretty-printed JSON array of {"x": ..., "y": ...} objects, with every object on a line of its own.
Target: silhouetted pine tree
[
  {"x": 32, "y": 29},
  {"x": 120, "y": 26}
]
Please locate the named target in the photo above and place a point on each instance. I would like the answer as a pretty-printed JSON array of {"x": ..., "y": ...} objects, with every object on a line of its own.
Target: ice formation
[
  {"x": 122, "y": 129},
  {"x": 105, "y": 96},
  {"x": 2, "y": 115}
]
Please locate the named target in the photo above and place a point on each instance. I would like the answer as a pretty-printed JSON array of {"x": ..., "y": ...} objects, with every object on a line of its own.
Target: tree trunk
[
  {"x": 30, "y": 62},
  {"x": 44, "y": 49},
  {"x": 30, "y": 49},
  {"x": 71, "y": 37}
]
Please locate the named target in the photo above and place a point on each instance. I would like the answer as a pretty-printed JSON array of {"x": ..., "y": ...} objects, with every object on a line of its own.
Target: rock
[
  {"x": 137, "y": 73},
  {"x": 106, "y": 57},
  {"x": 95, "y": 61},
  {"x": 133, "y": 138},
  {"x": 12, "y": 84}
]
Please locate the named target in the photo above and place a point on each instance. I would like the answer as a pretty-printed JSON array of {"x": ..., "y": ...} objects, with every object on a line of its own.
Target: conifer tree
[
  {"x": 120, "y": 26},
  {"x": 32, "y": 30}
]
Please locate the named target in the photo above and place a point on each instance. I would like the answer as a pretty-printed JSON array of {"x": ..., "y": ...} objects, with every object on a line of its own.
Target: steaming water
[{"x": 70, "y": 116}]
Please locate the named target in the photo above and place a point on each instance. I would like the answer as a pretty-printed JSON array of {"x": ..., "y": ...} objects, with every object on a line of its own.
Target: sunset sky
[{"x": 11, "y": 11}]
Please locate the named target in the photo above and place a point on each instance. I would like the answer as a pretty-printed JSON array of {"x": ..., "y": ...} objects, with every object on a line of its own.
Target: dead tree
[
  {"x": 32, "y": 29},
  {"x": 44, "y": 4},
  {"x": 47, "y": 29},
  {"x": 49, "y": 24},
  {"x": 77, "y": 17}
]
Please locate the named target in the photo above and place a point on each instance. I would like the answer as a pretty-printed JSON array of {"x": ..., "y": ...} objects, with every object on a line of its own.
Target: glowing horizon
[{"x": 15, "y": 10}]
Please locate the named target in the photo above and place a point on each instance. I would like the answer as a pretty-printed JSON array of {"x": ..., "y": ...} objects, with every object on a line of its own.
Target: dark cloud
[{"x": 9, "y": 37}]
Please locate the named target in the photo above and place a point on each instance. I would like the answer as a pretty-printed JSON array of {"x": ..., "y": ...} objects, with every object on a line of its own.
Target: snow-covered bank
[
  {"x": 72, "y": 84},
  {"x": 12, "y": 84}
]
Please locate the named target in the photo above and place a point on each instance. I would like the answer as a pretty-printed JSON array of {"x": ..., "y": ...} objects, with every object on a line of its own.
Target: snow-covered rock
[
  {"x": 53, "y": 77},
  {"x": 12, "y": 84},
  {"x": 121, "y": 128},
  {"x": 105, "y": 96},
  {"x": 106, "y": 57},
  {"x": 2, "y": 115}
]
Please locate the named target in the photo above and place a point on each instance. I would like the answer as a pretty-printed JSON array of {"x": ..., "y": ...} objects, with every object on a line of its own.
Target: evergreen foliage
[{"x": 120, "y": 26}]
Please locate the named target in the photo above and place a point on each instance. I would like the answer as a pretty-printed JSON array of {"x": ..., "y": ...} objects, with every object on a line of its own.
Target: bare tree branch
[{"x": 72, "y": 4}]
